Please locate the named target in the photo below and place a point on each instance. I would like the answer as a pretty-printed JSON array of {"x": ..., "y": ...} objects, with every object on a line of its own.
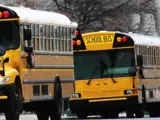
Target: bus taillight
[{"x": 6, "y": 14}]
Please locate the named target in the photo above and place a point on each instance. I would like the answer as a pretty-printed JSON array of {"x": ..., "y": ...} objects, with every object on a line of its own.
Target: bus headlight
[
  {"x": 4, "y": 80},
  {"x": 129, "y": 92},
  {"x": 76, "y": 95}
]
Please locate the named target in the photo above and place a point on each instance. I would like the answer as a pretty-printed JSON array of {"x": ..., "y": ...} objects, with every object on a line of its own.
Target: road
[{"x": 33, "y": 117}]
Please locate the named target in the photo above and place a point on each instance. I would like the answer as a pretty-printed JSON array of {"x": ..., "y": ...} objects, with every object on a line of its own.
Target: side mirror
[
  {"x": 139, "y": 60},
  {"x": 132, "y": 71},
  {"x": 6, "y": 60},
  {"x": 27, "y": 33}
]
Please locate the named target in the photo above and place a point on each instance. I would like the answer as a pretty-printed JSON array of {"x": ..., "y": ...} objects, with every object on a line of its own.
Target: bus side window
[
  {"x": 41, "y": 36},
  {"x": 48, "y": 37},
  {"x": 57, "y": 37},
  {"x": 22, "y": 37},
  {"x": 27, "y": 35},
  {"x": 33, "y": 35},
  {"x": 65, "y": 38},
  {"x": 37, "y": 37},
  {"x": 149, "y": 55},
  {"x": 61, "y": 39},
  {"x": 52, "y": 38},
  {"x": 68, "y": 38},
  {"x": 46, "y": 41}
]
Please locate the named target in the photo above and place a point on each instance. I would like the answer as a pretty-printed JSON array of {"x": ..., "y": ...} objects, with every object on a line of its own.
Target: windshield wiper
[
  {"x": 108, "y": 72},
  {"x": 111, "y": 76},
  {"x": 89, "y": 80}
]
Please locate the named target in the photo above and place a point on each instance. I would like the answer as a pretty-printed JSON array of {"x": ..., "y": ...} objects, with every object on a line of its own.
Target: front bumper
[
  {"x": 99, "y": 105},
  {"x": 5, "y": 90}
]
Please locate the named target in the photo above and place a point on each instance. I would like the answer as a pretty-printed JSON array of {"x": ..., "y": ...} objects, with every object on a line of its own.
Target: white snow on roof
[
  {"x": 140, "y": 39},
  {"x": 43, "y": 17}
]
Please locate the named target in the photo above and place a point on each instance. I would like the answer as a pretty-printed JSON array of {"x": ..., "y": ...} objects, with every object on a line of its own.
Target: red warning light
[
  {"x": 76, "y": 32},
  {"x": 73, "y": 42},
  {"x": 124, "y": 39},
  {"x": 6, "y": 14}
]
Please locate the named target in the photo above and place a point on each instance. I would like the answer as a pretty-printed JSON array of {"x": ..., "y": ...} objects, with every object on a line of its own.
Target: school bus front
[{"x": 105, "y": 74}]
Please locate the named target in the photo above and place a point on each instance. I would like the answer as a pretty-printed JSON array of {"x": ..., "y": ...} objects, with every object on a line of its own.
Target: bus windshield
[
  {"x": 111, "y": 63},
  {"x": 9, "y": 34}
]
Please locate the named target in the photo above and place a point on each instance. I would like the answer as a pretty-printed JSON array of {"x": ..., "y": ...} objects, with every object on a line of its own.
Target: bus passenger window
[
  {"x": 52, "y": 38},
  {"x": 68, "y": 39},
  {"x": 37, "y": 37},
  {"x": 65, "y": 39},
  {"x": 33, "y": 35}
]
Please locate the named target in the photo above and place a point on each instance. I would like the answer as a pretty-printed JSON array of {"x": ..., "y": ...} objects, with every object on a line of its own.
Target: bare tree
[
  {"x": 113, "y": 14},
  {"x": 88, "y": 12},
  {"x": 140, "y": 16},
  {"x": 34, "y": 4},
  {"x": 157, "y": 15}
]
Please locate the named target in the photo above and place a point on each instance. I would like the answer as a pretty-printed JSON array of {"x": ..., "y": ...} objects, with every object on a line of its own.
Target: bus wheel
[
  {"x": 42, "y": 115},
  {"x": 56, "y": 109},
  {"x": 13, "y": 106}
]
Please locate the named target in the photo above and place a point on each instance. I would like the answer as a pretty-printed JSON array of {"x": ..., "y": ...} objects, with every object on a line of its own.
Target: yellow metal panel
[{"x": 104, "y": 87}]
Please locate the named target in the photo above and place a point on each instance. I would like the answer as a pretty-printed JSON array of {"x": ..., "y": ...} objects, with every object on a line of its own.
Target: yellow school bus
[
  {"x": 115, "y": 72},
  {"x": 36, "y": 70}
]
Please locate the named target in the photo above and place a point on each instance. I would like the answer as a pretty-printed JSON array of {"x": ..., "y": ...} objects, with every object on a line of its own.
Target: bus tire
[
  {"x": 42, "y": 115},
  {"x": 13, "y": 105},
  {"x": 57, "y": 107}
]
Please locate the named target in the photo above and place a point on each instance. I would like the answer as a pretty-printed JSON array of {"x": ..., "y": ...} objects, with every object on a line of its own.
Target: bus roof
[
  {"x": 42, "y": 17},
  {"x": 140, "y": 39}
]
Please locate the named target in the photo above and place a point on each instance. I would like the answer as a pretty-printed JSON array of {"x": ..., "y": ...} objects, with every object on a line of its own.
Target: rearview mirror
[
  {"x": 132, "y": 71},
  {"x": 139, "y": 60},
  {"x": 27, "y": 33}
]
